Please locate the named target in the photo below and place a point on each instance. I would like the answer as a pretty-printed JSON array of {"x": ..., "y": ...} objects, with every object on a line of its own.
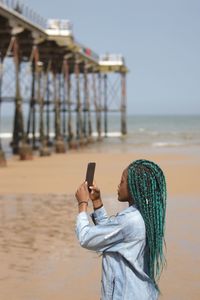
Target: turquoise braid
[{"x": 147, "y": 187}]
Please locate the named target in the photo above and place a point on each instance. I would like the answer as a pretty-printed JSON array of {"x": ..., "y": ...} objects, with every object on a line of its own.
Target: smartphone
[{"x": 90, "y": 174}]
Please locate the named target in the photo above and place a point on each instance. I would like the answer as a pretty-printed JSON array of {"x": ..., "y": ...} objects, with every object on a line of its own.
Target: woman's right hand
[
  {"x": 95, "y": 193},
  {"x": 95, "y": 196}
]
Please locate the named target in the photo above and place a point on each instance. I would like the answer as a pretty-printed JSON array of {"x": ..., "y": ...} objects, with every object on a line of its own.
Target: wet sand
[
  {"x": 61, "y": 173},
  {"x": 40, "y": 256}
]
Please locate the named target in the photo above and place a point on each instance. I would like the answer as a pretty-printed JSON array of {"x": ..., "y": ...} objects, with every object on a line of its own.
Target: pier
[{"x": 55, "y": 84}]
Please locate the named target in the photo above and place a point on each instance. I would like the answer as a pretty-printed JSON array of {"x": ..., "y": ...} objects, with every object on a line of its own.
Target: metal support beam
[
  {"x": 64, "y": 102},
  {"x": 2, "y": 154},
  {"x": 42, "y": 88},
  {"x": 68, "y": 83},
  {"x": 123, "y": 104},
  {"x": 1, "y": 80},
  {"x": 87, "y": 127},
  {"x": 105, "y": 106},
  {"x": 56, "y": 106},
  {"x": 100, "y": 102},
  {"x": 31, "y": 125},
  {"x": 98, "y": 107},
  {"x": 18, "y": 130},
  {"x": 88, "y": 104},
  {"x": 48, "y": 106},
  {"x": 85, "y": 104},
  {"x": 59, "y": 143},
  {"x": 41, "y": 103},
  {"x": 96, "y": 100},
  {"x": 31, "y": 102},
  {"x": 78, "y": 104}
]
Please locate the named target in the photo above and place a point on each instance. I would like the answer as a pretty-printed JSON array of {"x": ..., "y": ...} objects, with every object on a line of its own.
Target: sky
[{"x": 159, "y": 39}]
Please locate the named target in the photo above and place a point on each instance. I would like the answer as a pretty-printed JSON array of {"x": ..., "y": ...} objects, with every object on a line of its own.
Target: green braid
[{"x": 147, "y": 187}]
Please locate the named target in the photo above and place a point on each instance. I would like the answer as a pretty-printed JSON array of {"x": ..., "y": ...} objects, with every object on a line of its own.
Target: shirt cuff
[
  {"x": 82, "y": 216},
  {"x": 98, "y": 215}
]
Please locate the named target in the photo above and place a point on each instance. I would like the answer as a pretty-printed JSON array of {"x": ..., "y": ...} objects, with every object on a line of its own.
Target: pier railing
[
  {"x": 22, "y": 9},
  {"x": 111, "y": 59},
  {"x": 59, "y": 27}
]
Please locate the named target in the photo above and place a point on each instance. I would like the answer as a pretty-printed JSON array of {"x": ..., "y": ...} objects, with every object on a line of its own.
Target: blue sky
[{"x": 160, "y": 41}]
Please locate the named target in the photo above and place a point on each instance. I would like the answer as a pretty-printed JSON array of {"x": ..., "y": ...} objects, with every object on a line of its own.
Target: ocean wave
[
  {"x": 167, "y": 144},
  {"x": 8, "y": 135},
  {"x": 109, "y": 134},
  {"x": 142, "y": 129}
]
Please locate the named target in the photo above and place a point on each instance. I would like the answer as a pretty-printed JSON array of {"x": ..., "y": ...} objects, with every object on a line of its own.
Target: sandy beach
[
  {"x": 41, "y": 258},
  {"x": 61, "y": 173}
]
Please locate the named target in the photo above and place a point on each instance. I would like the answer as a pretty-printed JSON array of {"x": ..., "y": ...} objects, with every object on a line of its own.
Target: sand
[
  {"x": 62, "y": 173},
  {"x": 40, "y": 256}
]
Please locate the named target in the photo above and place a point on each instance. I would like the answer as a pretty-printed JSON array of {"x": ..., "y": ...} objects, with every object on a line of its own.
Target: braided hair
[{"x": 147, "y": 188}]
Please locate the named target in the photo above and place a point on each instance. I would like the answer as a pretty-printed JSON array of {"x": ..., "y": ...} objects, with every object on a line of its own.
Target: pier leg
[
  {"x": 85, "y": 104},
  {"x": 71, "y": 141},
  {"x": 41, "y": 104},
  {"x": 19, "y": 142},
  {"x": 43, "y": 150},
  {"x": 99, "y": 106},
  {"x": 87, "y": 128},
  {"x": 123, "y": 104},
  {"x": 48, "y": 109},
  {"x": 64, "y": 101},
  {"x": 97, "y": 103},
  {"x": 105, "y": 106},
  {"x": 59, "y": 143},
  {"x": 32, "y": 110},
  {"x": 90, "y": 139},
  {"x": 79, "y": 127},
  {"x": 31, "y": 104},
  {"x": 2, "y": 154},
  {"x": 2, "y": 158},
  {"x": 18, "y": 131}
]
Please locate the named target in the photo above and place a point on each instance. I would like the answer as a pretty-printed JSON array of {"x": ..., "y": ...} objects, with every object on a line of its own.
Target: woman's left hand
[{"x": 82, "y": 194}]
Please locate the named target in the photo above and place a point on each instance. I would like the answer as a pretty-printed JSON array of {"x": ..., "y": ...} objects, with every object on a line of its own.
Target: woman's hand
[
  {"x": 95, "y": 196},
  {"x": 95, "y": 193},
  {"x": 82, "y": 196}
]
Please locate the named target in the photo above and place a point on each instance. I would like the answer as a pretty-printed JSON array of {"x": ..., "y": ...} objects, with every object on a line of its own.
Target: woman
[{"x": 131, "y": 243}]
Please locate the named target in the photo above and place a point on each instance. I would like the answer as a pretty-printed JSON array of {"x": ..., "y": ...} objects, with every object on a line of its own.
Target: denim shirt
[{"x": 122, "y": 242}]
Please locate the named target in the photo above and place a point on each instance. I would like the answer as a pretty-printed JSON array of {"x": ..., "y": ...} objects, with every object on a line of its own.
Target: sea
[{"x": 150, "y": 132}]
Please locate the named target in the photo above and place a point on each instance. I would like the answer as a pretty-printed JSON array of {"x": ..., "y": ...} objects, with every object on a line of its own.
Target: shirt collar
[{"x": 129, "y": 209}]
